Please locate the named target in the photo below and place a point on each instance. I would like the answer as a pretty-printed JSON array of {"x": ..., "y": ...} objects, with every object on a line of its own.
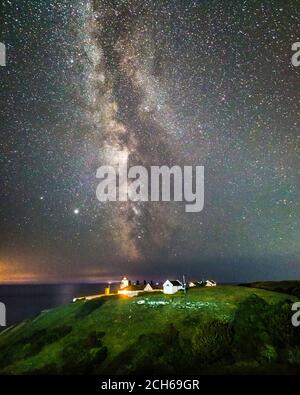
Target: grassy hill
[
  {"x": 287, "y": 287},
  {"x": 227, "y": 329}
]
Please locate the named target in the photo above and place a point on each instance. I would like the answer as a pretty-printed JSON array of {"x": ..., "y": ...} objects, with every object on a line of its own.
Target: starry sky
[{"x": 206, "y": 83}]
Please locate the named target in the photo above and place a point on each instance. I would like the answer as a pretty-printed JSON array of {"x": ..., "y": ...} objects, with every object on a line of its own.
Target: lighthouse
[{"x": 124, "y": 283}]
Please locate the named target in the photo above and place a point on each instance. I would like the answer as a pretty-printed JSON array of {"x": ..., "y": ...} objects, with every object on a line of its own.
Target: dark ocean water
[{"x": 26, "y": 301}]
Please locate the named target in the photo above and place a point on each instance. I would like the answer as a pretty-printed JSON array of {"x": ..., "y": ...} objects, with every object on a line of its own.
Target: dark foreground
[{"x": 227, "y": 329}]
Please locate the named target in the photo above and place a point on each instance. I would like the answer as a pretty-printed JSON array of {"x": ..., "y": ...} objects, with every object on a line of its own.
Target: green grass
[
  {"x": 288, "y": 287},
  {"x": 209, "y": 328}
]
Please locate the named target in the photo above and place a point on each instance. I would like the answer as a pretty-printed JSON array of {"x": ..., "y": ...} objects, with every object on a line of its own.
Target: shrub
[
  {"x": 250, "y": 329},
  {"x": 83, "y": 355},
  {"x": 211, "y": 342},
  {"x": 88, "y": 307}
]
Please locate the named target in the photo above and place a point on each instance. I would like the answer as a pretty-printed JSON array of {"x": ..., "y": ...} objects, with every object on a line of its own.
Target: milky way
[{"x": 206, "y": 83}]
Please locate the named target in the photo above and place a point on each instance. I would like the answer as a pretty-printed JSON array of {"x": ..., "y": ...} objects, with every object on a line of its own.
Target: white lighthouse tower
[{"x": 124, "y": 283}]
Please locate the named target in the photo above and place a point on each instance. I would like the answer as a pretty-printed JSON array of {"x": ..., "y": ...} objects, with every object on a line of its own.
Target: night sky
[{"x": 206, "y": 83}]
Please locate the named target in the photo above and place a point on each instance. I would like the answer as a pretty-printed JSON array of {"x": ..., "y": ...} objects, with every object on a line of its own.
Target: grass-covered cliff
[
  {"x": 291, "y": 287},
  {"x": 225, "y": 329}
]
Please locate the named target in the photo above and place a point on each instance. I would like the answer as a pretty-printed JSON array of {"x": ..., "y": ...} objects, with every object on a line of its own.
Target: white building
[
  {"x": 124, "y": 282},
  {"x": 210, "y": 283},
  {"x": 148, "y": 288},
  {"x": 172, "y": 286},
  {"x": 151, "y": 288}
]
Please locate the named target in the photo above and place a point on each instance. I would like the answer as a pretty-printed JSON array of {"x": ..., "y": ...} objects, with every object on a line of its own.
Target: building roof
[
  {"x": 176, "y": 283},
  {"x": 153, "y": 286}
]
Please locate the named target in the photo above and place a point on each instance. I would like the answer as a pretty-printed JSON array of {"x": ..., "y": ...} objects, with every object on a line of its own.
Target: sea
[{"x": 27, "y": 300}]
